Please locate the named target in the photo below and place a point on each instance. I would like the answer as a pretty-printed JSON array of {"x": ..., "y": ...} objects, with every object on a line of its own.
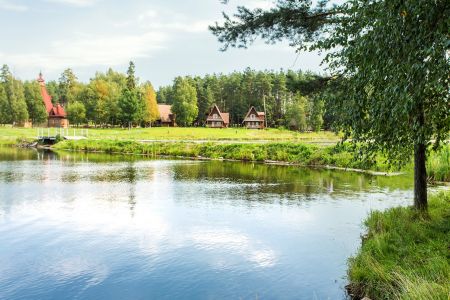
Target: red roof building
[{"x": 56, "y": 114}]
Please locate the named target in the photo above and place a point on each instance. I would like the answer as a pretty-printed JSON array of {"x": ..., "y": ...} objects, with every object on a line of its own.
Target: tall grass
[
  {"x": 438, "y": 164},
  {"x": 405, "y": 255}
]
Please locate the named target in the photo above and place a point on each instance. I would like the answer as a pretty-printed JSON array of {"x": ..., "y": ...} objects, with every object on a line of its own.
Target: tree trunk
[{"x": 420, "y": 177}]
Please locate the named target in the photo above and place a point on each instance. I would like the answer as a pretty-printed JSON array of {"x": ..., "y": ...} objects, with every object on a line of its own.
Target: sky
[{"x": 165, "y": 39}]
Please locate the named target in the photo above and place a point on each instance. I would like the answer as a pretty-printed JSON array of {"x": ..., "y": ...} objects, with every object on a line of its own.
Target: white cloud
[
  {"x": 74, "y": 2},
  {"x": 7, "y": 5},
  {"x": 89, "y": 50},
  {"x": 237, "y": 243},
  {"x": 169, "y": 21},
  {"x": 264, "y": 4}
]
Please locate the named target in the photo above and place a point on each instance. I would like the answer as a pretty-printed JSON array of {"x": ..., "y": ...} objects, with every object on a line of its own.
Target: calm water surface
[{"x": 76, "y": 226}]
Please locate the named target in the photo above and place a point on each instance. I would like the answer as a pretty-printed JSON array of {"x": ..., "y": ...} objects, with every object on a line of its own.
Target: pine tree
[
  {"x": 130, "y": 102},
  {"x": 5, "y": 110}
]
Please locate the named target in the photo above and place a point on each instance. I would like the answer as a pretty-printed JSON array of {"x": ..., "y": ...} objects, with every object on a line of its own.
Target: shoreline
[
  {"x": 283, "y": 154},
  {"x": 403, "y": 255},
  {"x": 266, "y": 162},
  {"x": 337, "y": 157}
]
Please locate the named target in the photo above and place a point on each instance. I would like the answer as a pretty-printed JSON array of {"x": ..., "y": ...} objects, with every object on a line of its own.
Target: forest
[{"x": 291, "y": 99}]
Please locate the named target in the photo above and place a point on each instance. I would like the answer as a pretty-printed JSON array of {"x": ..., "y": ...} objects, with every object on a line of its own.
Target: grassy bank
[
  {"x": 405, "y": 256},
  {"x": 289, "y": 152},
  {"x": 182, "y": 133}
]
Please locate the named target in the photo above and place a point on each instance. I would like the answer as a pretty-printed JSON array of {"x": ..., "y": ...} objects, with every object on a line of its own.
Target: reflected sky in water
[{"x": 79, "y": 226}]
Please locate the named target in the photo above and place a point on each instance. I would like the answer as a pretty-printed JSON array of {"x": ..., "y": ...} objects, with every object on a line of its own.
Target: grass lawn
[{"x": 183, "y": 133}]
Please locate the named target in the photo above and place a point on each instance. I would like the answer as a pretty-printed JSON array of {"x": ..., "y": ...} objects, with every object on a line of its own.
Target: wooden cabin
[
  {"x": 254, "y": 119},
  {"x": 57, "y": 116},
  {"x": 166, "y": 117},
  {"x": 217, "y": 119}
]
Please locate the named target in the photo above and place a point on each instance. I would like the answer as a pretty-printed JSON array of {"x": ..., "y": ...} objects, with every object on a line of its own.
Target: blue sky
[{"x": 165, "y": 38}]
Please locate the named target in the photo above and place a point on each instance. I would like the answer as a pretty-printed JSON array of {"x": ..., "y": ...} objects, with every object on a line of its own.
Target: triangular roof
[
  {"x": 58, "y": 111},
  {"x": 165, "y": 112},
  {"x": 259, "y": 114},
  {"x": 224, "y": 117}
]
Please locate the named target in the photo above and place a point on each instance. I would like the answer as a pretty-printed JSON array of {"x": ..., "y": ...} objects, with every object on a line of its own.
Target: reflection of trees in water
[
  {"x": 286, "y": 179},
  {"x": 131, "y": 174}
]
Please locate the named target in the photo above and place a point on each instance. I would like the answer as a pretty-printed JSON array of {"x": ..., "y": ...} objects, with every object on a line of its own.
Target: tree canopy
[{"x": 389, "y": 57}]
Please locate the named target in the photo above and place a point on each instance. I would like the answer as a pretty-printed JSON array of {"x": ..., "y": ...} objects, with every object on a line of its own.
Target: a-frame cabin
[
  {"x": 217, "y": 119},
  {"x": 254, "y": 119}
]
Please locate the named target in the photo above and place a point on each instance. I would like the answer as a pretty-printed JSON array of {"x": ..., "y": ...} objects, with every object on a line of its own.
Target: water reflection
[{"x": 76, "y": 225}]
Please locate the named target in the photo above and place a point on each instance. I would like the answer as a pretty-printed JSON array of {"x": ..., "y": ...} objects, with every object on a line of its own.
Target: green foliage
[
  {"x": 104, "y": 91},
  {"x": 184, "y": 101},
  {"x": 269, "y": 91},
  {"x": 53, "y": 90},
  {"x": 68, "y": 87},
  {"x": 76, "y": 112},
  {"x": 392, "y": 74},
  {"x": 129, "y": 104},
  {"x": 164, "y": 95},
  {"x": 150, "y": 107},
  {"x": 296, "y": 113},
  {"x": 35, "y": 103},
  {"x": 131, "y": 77},
  {"x": 316, "y": 114},
  {"x": 14, "y": 109},
  {"x": 298, "y": 153},
  {"x": 438, "y": 164},
  {"x": 5, "y": 109},
  {"x": 402, "y": 258}
]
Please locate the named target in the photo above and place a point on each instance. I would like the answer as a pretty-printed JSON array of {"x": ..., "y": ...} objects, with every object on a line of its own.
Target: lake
[{"x": 96, "y": 226}]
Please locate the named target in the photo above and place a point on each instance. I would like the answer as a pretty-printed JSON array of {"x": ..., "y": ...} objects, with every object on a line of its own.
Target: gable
[
  {"x": 254, "y": 116},
  {"x": 215, "y": 115}
]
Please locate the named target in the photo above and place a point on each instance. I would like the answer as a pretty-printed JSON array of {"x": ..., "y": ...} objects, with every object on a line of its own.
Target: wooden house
[
  {"x": 217, "y": 119},
  {"x": 166, "y": 117},
  {"x": 254, "y": 119},
  {"x": 57, "y": 116}
]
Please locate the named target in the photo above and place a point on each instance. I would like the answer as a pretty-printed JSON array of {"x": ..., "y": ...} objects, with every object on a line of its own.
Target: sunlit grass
[
  {"x": 438, "y": 164},
  {"x": 405, "y": 254},
  {"x": 183, "y": 133}
]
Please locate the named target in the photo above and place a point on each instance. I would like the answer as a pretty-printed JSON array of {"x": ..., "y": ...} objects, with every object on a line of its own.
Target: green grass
[
  {"x": 438, "y": 165},
  {"x": 184, "y": 133},
  {"x": 290, "y": 152},
  {"x": 405, "y": 255}
]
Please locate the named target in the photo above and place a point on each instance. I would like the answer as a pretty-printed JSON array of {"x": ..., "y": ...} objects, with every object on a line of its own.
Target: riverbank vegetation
[
  {"x": 342, "y": 156},
  {"x": 405, "y": 254}
]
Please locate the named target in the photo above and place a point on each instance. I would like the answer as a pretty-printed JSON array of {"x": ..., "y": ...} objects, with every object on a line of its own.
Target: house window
[
  {"x": 252, "y": 116},
  {"x": 215, "y": 116}
]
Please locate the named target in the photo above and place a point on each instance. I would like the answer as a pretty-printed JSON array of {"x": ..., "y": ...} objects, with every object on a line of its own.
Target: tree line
[
  {"x": 292, "y": 99},
  {"x": 108, "y": 99}
]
